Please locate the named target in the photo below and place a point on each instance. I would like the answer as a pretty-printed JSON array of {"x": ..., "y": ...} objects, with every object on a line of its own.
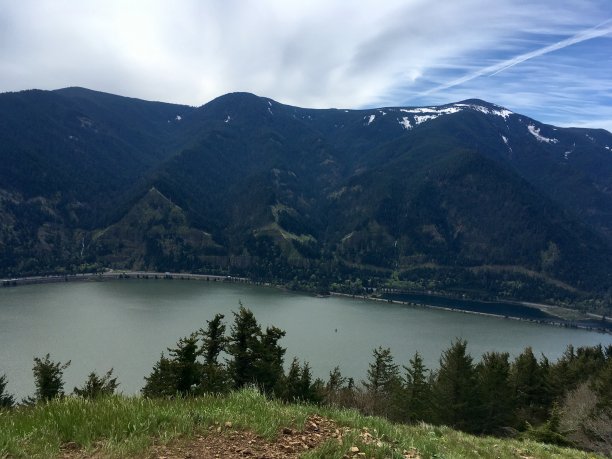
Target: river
[{"x": 126, "y": 324}]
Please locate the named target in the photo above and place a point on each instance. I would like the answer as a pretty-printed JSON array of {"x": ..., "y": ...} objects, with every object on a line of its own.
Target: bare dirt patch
[{"x": 224, "y": 442}]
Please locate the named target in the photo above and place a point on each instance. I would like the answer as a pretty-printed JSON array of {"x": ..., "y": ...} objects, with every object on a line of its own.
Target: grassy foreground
[{"x": 121, "y": 426}]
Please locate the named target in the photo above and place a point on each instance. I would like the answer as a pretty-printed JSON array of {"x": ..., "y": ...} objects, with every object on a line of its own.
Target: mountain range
[{"x": 467, "y": 198}]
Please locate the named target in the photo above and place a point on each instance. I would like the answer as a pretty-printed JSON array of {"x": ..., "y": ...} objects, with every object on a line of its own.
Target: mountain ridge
[{"x": 315, "y": 198}]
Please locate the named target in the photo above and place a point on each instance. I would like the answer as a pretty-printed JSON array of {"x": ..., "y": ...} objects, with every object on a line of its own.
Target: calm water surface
[{"x": 126, "y": 324}]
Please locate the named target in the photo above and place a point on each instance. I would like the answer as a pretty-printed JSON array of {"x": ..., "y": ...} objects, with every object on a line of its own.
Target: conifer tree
[
  {"x": 527, "y": 380},
  {"x": 496, "y": 398},
  {"x": 48, "y": 379},
  {"x": 383, "y": 373},
  {"x": 162, "y": 381},
  {"x": 178, "y": 374},
  {"x": 383, "y": 383},
  {"x": 185, "y": 365},
  {"x": 416, "y": 402},
  {"x": 269, "y": 360},
  {"x": 214, "y": 375},
  {"x": 6, "y": 400},
  {"x": 243, "y": 347},
  {"x": 97, "y": 386},
  {"x": 454, "y": 391},
  {"x": 291, "y": 384},
  {"x": 213, "y": 340}
]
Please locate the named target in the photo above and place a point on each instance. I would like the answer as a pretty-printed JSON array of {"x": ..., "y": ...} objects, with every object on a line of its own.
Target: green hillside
[
  {"x": 463, "y": 199},
  {"x": 137, "y": 427}
]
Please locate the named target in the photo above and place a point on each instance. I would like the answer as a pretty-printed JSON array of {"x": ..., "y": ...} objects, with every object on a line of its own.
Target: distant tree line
[{"x": 568, "y": 402}]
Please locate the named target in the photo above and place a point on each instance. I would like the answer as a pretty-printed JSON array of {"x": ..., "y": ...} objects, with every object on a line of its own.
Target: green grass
[{"x": 125, "y": 426}]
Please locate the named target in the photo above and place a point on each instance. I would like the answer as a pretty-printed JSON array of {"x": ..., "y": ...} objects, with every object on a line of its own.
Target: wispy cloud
[
  {"x": 605, "y": 28},
  {"x": 319, "y": 53}
]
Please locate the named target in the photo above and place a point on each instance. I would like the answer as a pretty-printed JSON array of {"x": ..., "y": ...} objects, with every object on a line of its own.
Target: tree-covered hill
[{"x": 462, "y": 197}]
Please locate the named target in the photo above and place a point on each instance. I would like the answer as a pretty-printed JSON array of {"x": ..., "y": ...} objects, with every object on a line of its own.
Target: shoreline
[
  {"x": 561, "y": 323},
  {"x": 121, "y": 274}
]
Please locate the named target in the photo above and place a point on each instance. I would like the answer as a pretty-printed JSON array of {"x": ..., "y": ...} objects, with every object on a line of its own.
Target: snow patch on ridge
[
  {"x": 423, "y": 114},
  {"x": 569, "y": 152},
  {"x": 227, "y": 120},
  {"x": 405, "y": 122},
  {"x": 370, "y": 119},
  {"x": 536, "y": 133},
  {"x": 418, "y": 119}
]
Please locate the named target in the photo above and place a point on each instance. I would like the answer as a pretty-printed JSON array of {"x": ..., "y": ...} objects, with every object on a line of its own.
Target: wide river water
[{"x": 126, "y": 324}]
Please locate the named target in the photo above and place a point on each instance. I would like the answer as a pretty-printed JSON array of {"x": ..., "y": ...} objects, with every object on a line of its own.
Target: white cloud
[{"x": 318, "y": 53}]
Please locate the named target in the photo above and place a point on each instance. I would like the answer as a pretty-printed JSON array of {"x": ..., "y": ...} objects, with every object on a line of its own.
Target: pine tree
[
  {"x": 416, "y": 402},
  {"x": 213, "y": 340},
  {"x": 48, "y": 379},
  {"x": 178, "y": 374},
  {"x": 383, "y": 373},
  {"x": 269, "y": 360},
  {"x": 214, "y": 375},
  {"x": 496, "y": 398},
  {"x": 291, "y": 382},
  {"x": 383, "y": 383},
  {"x": 527, "y": 380},
  {"x": 97, "y": 386},
  {"x": 185, "y": 365},
  {"x": 454, "y": 391},
  {"x": 162, "y": 380},
  {"x": 243, "y": 347},
  {"x": 6, "y": 400}
]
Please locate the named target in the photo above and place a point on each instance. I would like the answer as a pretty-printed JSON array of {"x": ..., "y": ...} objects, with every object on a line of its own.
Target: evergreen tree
[
  {"x": 454, "y": 390},
  {"x": 6, "y": 400},
  {"x": 214, "y": 374},
  {"x": 97, "y": 386},
  {"x": 416, "y": 403},
  {"x": 383, "y": 373},
  {"x": 213, "y": 340},
  {"x": 291, "y": 384},
  {"x": 335, "y": 390},
  {"x": 243, "y": 347},
  {"x": 162, "y": 380},
  {"x": 527, "y": 380},
  {"x": 185, "y": 365},
  {"x": 48, "y": 379},
  {"x": 336, "y": 381},
  {"x": 269, "y": 360},
  {"x": 549, "y": 431},
  {"x": 602, "y": 385},
  {"x": 298, "y": 385},
  {"x": 179, "y": 374},
  {"x": 383, "y": 383},
  {"x": 496, "y": 398}
]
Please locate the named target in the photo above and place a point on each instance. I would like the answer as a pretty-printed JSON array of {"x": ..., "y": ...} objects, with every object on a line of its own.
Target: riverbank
[
  {"x": 113, "y": 275},
  {"x": 545, "y": 318},
  {"x": 546, "y": 314}
]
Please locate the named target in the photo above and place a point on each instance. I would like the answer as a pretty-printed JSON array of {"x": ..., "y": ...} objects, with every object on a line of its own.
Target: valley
[{"x": 466, "y": 199}]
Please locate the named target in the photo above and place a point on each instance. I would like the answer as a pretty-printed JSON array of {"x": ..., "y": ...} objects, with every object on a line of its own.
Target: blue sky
[{"x": 551, "y": 60}]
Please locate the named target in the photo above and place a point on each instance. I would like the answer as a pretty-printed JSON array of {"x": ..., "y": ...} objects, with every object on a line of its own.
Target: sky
[{"x": 548, "y": 59}]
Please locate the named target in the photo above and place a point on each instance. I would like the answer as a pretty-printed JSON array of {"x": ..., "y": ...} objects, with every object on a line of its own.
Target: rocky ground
[{"x": 226, "y": 442}]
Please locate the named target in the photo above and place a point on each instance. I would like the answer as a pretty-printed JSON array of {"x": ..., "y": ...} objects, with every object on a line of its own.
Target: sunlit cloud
[{"x": 334, "y": 53}]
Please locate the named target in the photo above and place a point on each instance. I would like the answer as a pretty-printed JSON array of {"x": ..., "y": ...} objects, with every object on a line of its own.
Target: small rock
[
  {"x": 228, "y": 424},
  {"x": 354, "y": 450}
]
